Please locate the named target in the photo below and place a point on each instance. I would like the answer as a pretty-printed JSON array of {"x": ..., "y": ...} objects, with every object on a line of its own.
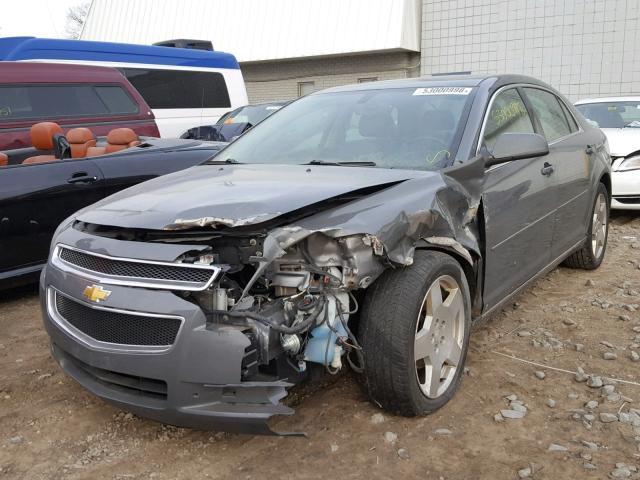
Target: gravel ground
[{"x": 562, "y": 416}]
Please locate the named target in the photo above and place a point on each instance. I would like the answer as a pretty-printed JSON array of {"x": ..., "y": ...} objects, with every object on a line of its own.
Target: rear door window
[
  {"x": 23, "y": 102},
  {"x": 546, "y": 107},
  {"x": 508, "y": 114},
  {"x": 179, "y": 88}
]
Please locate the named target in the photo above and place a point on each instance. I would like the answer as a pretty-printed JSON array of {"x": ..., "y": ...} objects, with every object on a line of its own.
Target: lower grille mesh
[{"x": 115, "y": 327}]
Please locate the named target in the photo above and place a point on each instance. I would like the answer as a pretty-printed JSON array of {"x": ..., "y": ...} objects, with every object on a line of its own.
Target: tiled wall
[{"x": 582, "y": 47}]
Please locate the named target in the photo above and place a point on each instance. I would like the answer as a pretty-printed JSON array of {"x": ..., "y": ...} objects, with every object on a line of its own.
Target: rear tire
[
  {"x": 420, "y": 311},
  {"x": 591, "y": 254}
]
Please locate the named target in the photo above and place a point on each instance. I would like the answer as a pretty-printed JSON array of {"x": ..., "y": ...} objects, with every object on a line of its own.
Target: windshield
[
  {"x": 612, "y": 114},
  {"x": 249, "y": 114},
  {"x": 410, "y": 128}
]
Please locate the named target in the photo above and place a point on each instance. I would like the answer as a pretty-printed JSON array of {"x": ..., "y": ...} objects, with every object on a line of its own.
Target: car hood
[
  {"x": 235, "y": 195},
  {"x": 622, "y": 141}
]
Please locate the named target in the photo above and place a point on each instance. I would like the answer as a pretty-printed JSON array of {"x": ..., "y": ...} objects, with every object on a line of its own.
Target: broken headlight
[{"x": 630, "y": 163}]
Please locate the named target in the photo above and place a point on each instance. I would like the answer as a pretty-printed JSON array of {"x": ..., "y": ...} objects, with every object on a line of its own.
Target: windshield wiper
[{"x": 341, "y": 164}]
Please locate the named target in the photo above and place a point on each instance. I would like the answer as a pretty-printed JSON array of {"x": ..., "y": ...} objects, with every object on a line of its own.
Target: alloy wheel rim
[
  {"x": 599, "y": 226},
  {"x": 439, "y": 336}
]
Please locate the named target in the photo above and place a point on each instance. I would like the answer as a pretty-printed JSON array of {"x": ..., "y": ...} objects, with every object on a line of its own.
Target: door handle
[
  {"x": 81, "y": 177},
  {"x": 547, "y": 169}
]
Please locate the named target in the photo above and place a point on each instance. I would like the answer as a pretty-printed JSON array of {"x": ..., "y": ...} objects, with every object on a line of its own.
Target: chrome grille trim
[
  {"x": 131, "y": 263},
  {"x": 97, "y": 344}
]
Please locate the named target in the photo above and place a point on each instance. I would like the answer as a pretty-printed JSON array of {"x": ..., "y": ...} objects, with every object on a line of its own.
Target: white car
[{"x": 619, "y": 119}]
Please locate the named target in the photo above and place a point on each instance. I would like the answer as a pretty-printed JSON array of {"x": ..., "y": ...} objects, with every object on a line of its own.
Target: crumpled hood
[
  {"x": 622, "y": 141},
  {"x": 233, "y": 195}
]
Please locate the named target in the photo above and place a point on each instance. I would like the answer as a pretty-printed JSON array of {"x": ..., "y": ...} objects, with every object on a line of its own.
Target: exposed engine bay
[{"x": 298, "y": 304}]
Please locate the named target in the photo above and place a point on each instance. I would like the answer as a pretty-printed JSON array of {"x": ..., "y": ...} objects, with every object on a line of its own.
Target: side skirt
[{"x": 477, "y": 321}]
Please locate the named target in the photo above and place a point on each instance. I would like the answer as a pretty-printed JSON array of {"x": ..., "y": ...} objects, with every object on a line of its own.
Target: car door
[
  {"x": 519, "y": 201},
  {"x": 34, "y": 199},
  {"x": 572, "y": 167}
]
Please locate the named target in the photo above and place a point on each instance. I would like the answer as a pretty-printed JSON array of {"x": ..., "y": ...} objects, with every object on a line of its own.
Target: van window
[
  {"x": 179, "y": 88},
  {"x": 18, "y": 102}
]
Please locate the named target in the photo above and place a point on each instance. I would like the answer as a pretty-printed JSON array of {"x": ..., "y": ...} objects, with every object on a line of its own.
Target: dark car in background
[
  {"x": 234, "y": 123},
  {"x": 368, "y": 225},
  {"x": 70, "y": 95},
  {"x": 39, "y": 191}
]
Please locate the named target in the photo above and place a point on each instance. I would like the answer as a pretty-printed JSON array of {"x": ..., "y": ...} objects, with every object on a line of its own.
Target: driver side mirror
[{"x": 517, "y": 146}]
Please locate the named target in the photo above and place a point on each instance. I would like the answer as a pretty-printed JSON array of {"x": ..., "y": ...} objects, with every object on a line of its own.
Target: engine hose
[
  {"x": 352, "y": 337},
  {"x": 300, "y": 327},
  {"x": 356, "y": 368}
]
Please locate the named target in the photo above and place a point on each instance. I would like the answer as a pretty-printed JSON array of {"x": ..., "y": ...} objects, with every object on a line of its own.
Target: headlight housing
[{"x": 630, "y": 163}]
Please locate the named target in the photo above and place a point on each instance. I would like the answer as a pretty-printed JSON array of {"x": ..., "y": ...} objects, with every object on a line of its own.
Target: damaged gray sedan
[{"x": 367, "y": 225}]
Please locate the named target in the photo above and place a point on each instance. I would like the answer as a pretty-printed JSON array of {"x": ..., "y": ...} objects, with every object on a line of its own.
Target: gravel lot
[{"x": 571, "y": 426}]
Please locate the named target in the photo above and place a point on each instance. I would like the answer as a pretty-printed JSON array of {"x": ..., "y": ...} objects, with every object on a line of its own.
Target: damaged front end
[{"x": 282, "y": 300}]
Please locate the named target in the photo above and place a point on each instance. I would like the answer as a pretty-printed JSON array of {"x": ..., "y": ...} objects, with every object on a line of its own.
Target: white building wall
[
  {"x": 582, "y": 47},
  {"x": 257, "y": 30}
]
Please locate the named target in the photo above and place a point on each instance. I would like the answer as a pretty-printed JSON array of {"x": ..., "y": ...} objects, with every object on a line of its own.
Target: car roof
[
  {"x": 440, "y": 81},
  {"x": 608, "y": 99},
  {"x": 27, "y": 48},
  {"x": 41, "y": 72}
]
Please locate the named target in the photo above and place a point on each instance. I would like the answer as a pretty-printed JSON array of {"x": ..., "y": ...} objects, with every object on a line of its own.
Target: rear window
[
  {"x": 179, "y": 88},
  {"x": 19, "y": 102}
]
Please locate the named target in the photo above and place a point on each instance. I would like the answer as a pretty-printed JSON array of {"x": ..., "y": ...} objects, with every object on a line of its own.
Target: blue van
[{"x": 185, "y": 87}]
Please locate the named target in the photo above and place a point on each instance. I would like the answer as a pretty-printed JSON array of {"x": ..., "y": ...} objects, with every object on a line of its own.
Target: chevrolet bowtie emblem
[{"x": 96, "y": 293}]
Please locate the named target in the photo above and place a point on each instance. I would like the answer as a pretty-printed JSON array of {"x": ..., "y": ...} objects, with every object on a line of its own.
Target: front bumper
[
  {"x": 195, "y": 382},
  {"x": 626, "y": 190}
]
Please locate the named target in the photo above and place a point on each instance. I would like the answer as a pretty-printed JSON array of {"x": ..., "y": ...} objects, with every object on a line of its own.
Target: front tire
[
  {"x": 591, "y": 254},
  {"x": 415, "y": 334}
]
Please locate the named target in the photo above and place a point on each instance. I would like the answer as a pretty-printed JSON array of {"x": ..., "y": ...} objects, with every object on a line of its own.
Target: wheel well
[{"x": 468, "y": 269}]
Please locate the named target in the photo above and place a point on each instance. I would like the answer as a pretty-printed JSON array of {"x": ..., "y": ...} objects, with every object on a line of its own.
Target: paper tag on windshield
[{"x": 443, "y": 91}]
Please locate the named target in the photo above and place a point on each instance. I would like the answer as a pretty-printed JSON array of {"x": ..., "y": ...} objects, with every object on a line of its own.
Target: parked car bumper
[
  {"x": 626, "y": 190},
  {"x": 194, "y": 382}
]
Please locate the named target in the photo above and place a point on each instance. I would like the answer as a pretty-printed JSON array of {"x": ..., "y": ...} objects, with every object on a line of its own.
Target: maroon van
[{"x": 99, "y": 98}]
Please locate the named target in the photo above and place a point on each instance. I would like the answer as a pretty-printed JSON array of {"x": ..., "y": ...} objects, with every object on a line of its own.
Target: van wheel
[
  {"x": 415, "y": 334},
  {"x": 591, "y": 254}
]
